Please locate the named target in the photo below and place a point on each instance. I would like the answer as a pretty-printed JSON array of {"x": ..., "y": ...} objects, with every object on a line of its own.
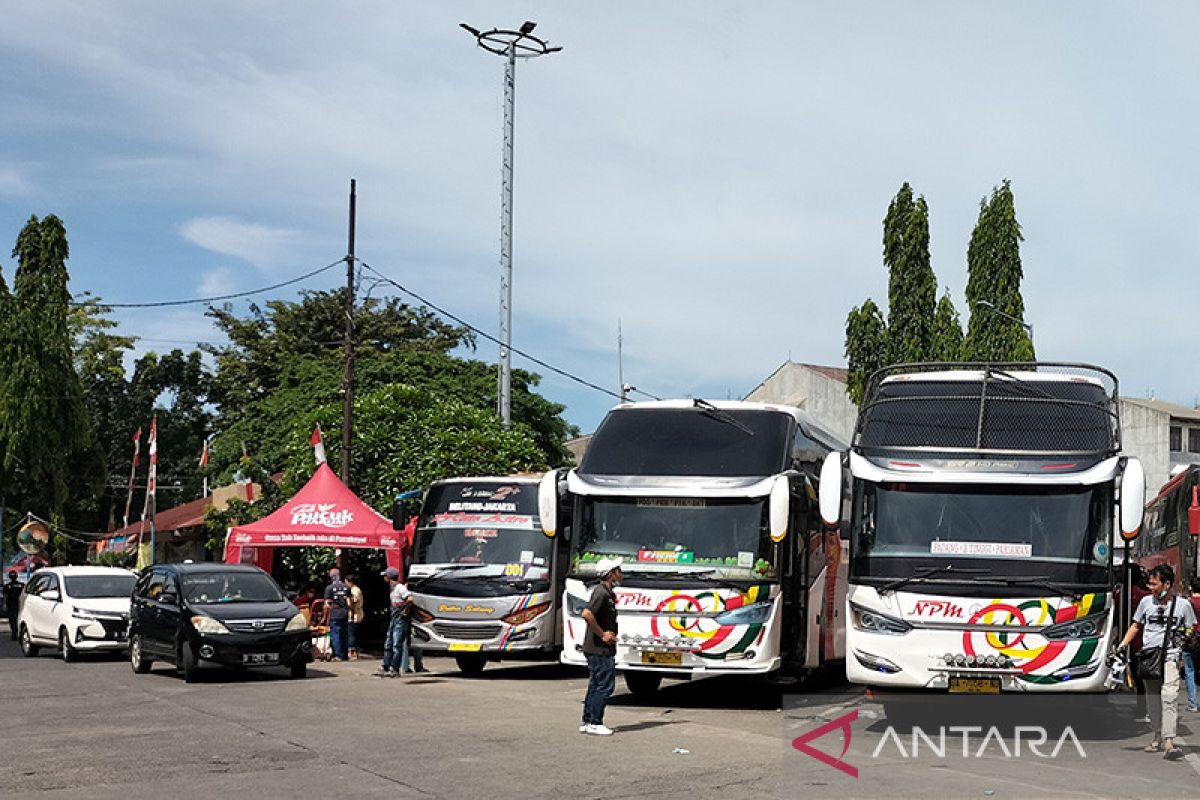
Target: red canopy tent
[{"x": 325, "y": 513}]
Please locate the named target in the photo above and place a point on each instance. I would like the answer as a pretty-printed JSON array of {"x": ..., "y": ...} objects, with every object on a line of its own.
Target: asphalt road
[{"x": 96, "y": 730}]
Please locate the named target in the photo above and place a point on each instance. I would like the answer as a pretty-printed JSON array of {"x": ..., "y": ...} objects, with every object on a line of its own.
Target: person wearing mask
[
  {"x": 355, "y": 603},
  {"x": 1159, "y": 617},
  {"x": 1191, "y": 657},
  {"x": 337, "y": 612},
  {"x": 395, "y": 646},
  {"x": 600, "y": 646},
  {"x": 12, "y": 601}
]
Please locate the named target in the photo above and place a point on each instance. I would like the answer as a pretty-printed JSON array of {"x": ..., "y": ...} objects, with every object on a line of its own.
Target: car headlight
[
  {"x": 874, "y": 622},
  {"x": 1088, "y": 627},
  {"x": 84, "y": 614},
  {"x": 207, "y": 625},
  {"x": 753, "y": 614},
  {"x": 296, "y": 623}
]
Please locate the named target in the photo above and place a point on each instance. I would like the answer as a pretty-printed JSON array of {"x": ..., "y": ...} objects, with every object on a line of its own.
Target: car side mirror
[
  {"x": 52, "y": 595},
  {"x": 169, "y": 598}
]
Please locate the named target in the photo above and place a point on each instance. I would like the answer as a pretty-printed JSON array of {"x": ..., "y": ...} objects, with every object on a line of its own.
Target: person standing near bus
[
  {"x": 1191, "y": 657},
  {"x": 1158, "y": 618},
  {"x": 12, "y": 600},
  {"x": 395, "y": 646},
  {"x": 337, "y": 602},
  {"x": 600, "y": 646},
  {"x": 355, "y": 603}
]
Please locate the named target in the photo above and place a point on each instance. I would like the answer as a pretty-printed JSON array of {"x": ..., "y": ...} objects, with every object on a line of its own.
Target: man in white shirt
[
  {"x": 1159, "y": 617},
  {"x": 395, "y": 647}
]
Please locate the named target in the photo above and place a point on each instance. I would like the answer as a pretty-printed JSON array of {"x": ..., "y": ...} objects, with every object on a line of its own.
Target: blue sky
[{"x": 713, "y": 174}]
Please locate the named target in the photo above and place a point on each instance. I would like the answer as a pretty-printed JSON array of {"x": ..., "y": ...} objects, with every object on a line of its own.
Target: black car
[{"x": 210, "y": 613}]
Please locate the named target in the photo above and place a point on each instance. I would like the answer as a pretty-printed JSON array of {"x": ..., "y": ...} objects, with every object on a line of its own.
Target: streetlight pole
[
  {"x": 1028, "y": 328},
  {"x": 512, "y": 45}
]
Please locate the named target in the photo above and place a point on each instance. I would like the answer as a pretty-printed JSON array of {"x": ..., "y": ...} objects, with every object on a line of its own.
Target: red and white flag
[
  {"x": 137, "y": 450},
  {"x": 318, "y": 445},
  {"x": 204, "y": 455},
  {"x": 152, "y": 484}
]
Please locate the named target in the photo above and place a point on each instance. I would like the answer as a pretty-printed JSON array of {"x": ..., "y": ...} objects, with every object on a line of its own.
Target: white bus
[
  {"x": 712, "y": 507},
  {"x": 985, "y": 506},
  {"x": 486, "y": 581}
]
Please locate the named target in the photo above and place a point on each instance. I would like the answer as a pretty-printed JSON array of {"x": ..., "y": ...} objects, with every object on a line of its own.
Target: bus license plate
[
  {"x": 974, "y": 685},
  {"x": 465, "y": 647},
  {"x": 668, "y": 659},
  {"x": 260, "y": 658}
]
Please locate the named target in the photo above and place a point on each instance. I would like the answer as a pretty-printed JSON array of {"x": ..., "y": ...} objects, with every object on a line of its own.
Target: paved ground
[{"x": 96, "y": 730}]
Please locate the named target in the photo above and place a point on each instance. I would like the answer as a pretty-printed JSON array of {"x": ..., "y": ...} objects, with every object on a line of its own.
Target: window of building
[
  {"x": 1194, "y": 440},
  {"x": 1176, "y": 439}
]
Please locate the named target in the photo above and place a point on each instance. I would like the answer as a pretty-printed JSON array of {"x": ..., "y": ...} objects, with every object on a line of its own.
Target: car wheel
[
  {"x": 137, "y": 660},
  {"x": 69, "y": 653},
  {"x": 298, "y": 670},
  {"x": 28, "y": 648},
  {"x": 187, "y": 663},
  {"x": 643, "y": 685},
  {"x": 470, "y": 664}
]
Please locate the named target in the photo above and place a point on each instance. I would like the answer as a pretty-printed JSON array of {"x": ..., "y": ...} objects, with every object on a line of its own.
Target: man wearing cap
[
  {"x": 12, "y": 600},
  {"x": 395, "y": 646},
  {"x": 337, "y": 601},
  {"x": 600, "y": 646}
]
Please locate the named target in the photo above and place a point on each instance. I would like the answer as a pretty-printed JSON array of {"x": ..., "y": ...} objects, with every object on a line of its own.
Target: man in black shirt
[
  {"x": 12, "y": 600},
  {"x": 337, "y": 601},
  {"x": 600, "y": 646}
]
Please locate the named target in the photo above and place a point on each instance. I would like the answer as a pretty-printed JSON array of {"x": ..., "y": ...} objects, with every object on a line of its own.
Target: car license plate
[
  {"x": 465, "y": 647},
  {"x": 260, "y": 658},
  {"x": 662, "y": 659},
  {"x": 960, "y": 685}
]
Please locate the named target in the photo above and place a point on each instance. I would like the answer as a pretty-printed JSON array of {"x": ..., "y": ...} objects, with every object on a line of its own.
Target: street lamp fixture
[
  {"x": 512, "y": 45},
  {"x": 1028, "y": 328}
]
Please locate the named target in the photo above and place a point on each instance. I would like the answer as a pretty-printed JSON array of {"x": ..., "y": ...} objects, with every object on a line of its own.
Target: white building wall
[
  {"x": 1145, "y": 435},
  {"x": 821, "y": 397}
]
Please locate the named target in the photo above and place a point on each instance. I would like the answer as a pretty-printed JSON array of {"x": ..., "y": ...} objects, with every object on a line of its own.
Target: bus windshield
[
  {"x": 481, "y": 523},
  {"x": 1060, "y": 532},
  {"x": 728, "y": 537}
]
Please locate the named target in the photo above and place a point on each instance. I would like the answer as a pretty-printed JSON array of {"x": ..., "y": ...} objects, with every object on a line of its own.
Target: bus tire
[
  {"x": 470, "y": 664},
  {"x": 643, "y": 685}
]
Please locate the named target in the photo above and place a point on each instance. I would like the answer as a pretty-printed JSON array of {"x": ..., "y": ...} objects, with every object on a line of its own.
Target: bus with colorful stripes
[
  {"x": 986, "y": 501},
  {"x": 712, "y": 509}
]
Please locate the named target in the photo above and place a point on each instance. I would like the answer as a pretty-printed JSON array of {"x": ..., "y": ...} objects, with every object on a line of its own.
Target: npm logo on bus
[
  {"x": 985, "y": 506},
  {"x": 482, "y": 572},
  {"x": 712, "y": 508}
]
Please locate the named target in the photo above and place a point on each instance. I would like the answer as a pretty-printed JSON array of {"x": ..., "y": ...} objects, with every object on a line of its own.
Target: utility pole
[
  {"x": 348, "y": 379},
  {"x": 620, "y": 361},
  {"x": 512, "y": 45}
]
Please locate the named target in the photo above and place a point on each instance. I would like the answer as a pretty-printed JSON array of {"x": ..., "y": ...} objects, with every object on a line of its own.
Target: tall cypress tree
[
  {"x": 912, "y": 287},
  {"x": 947, "y": 332},
  {"x": 994, "y": 276},
  {"x": 866, "y": 347},
  {"x": 44, "y": 427}
]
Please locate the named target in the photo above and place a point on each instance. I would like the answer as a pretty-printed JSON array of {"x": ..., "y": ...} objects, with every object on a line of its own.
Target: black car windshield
[
  {"x": 230, "y": 587},
  {"x": 1027, "y": 529},
  {"x": 95, "y": 586}
]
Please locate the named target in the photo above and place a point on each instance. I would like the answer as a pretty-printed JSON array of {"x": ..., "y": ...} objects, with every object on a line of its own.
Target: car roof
[
  {"x": 68, "y": 572},
  {"x": 210, "y": 566}
]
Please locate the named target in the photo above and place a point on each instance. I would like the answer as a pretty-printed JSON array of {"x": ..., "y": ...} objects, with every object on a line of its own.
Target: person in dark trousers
[
  {"x": 355, "y": 603},
  {"x": 12, "y": 601},
  {"x": 1191, "y": 659},
  {"x": 395, "y": 646},
  {"x": 1139, "y": 590},
  {"x": 337, "y": 603},
  {"x": 1159, "y": 618},
  {"x": 418, "y": 659},
  {"x": 600, "y": 646}
]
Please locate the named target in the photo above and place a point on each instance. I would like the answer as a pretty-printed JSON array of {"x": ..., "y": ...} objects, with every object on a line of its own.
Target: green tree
[
  {"x": 866, "y": 347},
  {"x": 947, "y": 332},
  {"x": 45, "y": 433},
  {"x": 912, "y": 287},
  {"x": 994, "y": 276}
]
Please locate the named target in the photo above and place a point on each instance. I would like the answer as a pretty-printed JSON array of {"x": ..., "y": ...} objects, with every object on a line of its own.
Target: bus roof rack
[{"x": 1014, "y": 409}]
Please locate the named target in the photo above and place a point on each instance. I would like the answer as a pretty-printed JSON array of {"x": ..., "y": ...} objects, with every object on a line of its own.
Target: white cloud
[
  {"x": 257, "y": 244},
  {"x": 216, "y": 282},
  {"x": 12, "y": 181}
]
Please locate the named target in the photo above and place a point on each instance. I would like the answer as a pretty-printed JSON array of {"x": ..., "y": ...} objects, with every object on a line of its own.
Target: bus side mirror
[
  {"x": 829, "y": 493},
  {"x": 779, "y": 508},
  {"x": 548, "y": 503},
  {"x": 398, "y": 520},
  {"x": 1133, "y": 499},
  {"x": 1194, "y": 515}
]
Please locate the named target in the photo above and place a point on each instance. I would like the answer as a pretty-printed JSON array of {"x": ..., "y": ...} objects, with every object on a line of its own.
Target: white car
[{"x": 75, "y": 609}]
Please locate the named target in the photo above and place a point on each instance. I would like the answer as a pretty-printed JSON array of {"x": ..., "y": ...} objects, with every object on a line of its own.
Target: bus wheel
[
  {"x": 643, "y": 685},
  {"x": 470, "y": 663}
]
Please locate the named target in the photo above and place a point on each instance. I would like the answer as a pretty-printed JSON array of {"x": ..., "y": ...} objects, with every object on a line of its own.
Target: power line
[
  {"x": 195, "y": 300},
  {"x": 487, "y": 335}
]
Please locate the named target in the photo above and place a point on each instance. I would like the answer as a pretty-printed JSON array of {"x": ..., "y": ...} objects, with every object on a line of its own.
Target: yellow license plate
[
  {"x": 663, "y": 659},
  {"x": 465, "y": 647},
  {"x": 974, "y": 685}
]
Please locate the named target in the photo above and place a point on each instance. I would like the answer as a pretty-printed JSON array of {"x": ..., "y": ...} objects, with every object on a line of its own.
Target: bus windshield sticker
[
  {"x": 526, "y": 557},
  {"x": 667, "y": 556},
  {"x": 672, "y": 502},
  {"x": 481, "y": 533},
  {"x": 745, "y": 558},
  {"x": 999, "y": 549}
]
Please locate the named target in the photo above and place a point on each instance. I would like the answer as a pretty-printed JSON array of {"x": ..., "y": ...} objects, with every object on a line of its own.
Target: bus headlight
[
  {"x": 874, "y": 622},
  {"x": 753, "y": 614},
  {"x": 1083, "y": 628}
]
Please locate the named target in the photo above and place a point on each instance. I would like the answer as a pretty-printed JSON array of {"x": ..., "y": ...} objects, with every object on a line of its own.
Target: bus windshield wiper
[
  {"x": 712, "y": 412},
  {"x": 923, "y": 575},
  {"x": 708, "y": 576},
  {"x": 444, "y": 570},
  {"x": 1038, "y": 580}
]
